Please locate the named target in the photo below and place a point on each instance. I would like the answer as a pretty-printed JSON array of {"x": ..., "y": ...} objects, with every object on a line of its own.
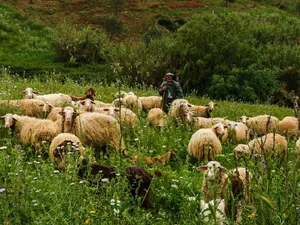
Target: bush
[
  {"x": 79, "y": 45},
  {"x": 113, "y": 25}
]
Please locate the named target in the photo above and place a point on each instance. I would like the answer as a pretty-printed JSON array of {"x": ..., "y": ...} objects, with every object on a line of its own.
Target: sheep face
[
  {"x": 185, "y": 112},
  {"x": 219, "y": 128},
  {"x": 244, "y": 119},
  {"x": 88, "y": 104},
  {"x": 213, "y": 168},
  {"x": 47, "y": 107},
  {"x": 172, "y": 156},
  {"x": 69, "y": 114},
  {"x": 241, "y": 151},
  {"x": 9, "y": 120},
  {"x": 210, "y": 107},
  {"x": 28, "y": 93}
]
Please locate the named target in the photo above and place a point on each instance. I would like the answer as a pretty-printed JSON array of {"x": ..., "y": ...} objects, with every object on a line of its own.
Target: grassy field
[{"x": 34, "y": 191}]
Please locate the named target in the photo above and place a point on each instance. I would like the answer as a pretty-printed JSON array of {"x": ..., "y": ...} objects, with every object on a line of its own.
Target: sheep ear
[
  {"x": 22, "y": 92},
  {"x": 35, "y": 92},
  {"x": 226, "y": 126},
  {"x": 106, "y": 110},
  {"x": 15, "y": 118},
  {"x": 62, "y": 113},
  {"x": 117, "y": 109},
  {"x": 75, "y": 114},
  {"x": 202, "y": 168},
  {"x": 2, "y": 117},
  {"x": 189, "y": 105},
  {"x": 221, "y": 168},
  {"x": 206, "y": 105},
  {"x": 81, "y": 102},
  {"x": 93, "y": 102}
]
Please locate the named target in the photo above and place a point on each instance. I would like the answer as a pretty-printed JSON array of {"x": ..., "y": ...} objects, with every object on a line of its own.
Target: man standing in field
[{"x": 169, "y": 90}]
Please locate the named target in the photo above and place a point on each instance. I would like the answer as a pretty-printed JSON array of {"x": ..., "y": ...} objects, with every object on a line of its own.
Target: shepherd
[{"x": 169, "y": 90}]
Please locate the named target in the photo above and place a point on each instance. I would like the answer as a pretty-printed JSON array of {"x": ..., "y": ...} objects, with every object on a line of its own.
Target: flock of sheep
[{"x": 84, "y": 121}]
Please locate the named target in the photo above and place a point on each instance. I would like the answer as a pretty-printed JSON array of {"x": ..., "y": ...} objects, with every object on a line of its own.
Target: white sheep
[
  {"x": 203, "y": 111},
  {"x": 124, "y": 116},
  {"x": 260, "y": 125},
  {"x": 238, "y": 132},
  {"x": 32, "y": 130},
  {"x": 204, "y": 143},
  {"x": 61, "y": 145},
  {"x": 271, "y": 144},
  {"x": 289, "y": 127},
  {"x": 131, "y": 102},
  {"x": 89, "y": 105},
  {"x": 54, "y": 99},
  {"x": 28, "y": 107},
  {"x": 151, "y": 102},
  {"x": 157, "y": 117},
  {"x": 202, "y": 122},
  {"x": 214, "y": 210},
  {"x": 96, "y": 130},
  {"x": 180, "y": 111}
]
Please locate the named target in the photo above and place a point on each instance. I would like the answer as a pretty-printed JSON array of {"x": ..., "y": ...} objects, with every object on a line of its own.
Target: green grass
[{"x": 37, "y": 193}]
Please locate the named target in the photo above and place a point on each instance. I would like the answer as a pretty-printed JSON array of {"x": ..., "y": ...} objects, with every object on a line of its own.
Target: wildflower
[
  {"x": 118, "y": 203},
  {"x": 3, "y": 147},
  {"x": 35, "y": 204},
  {"x": 112, "y": 202},
  {"x": 163, "y": 146},
  {"x": 35, "y": 178},
  {"x": 192, "y": 198},
  {"x": 174, "y": 186},
  {"x": 56, "y": 171},
  {"x": 174, "y": 180},
  {"x": 252, "y": 215},
  {"x": 92, "y": 212},
  {"x": 81, "y": 182},
  {"x": 2, "y": 190},
  {"x": 116, "y": 212},
  {"x": 104, "y": 180},
  {"x": 71, "y": 184},
  {"x": 87, "y": 221},
  {"x": 136, "y": 139}
]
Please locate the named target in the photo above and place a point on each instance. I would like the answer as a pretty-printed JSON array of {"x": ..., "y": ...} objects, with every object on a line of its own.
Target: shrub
[
  {"x": 78, "y": 45},
  {"x": 113, "y": 25}
]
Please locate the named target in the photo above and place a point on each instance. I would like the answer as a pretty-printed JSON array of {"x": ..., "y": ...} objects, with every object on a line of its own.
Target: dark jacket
[{"x": 175, "y": 91}]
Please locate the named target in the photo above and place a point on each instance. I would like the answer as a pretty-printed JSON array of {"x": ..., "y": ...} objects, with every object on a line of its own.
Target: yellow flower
[
  {"x": 92, "y": 212},
  {"x": 251, "y": 215},
  {"x": 87, "y": 221}
]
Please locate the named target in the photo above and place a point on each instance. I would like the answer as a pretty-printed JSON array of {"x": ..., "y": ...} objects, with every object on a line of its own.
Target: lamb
[
  {"x": 260, "y": 125},
  {"x": 89, "y": 105},
  {"x": 180, "y": 111},
  {"x": 150, "y": 161},
  {"x": 157, "y": 117},
  {"x": 204, "y": 143},
  {"x": 238, "y": 132},
  {"x": 60, "y": 147},
  {"x": 203, "y": 111},
  {"x": 288, "y": 126},
  {"x": 139, "y": 180},
  {"x": 32, "y": 130},
  {"x": 271, "y": 144},
  {"x": 150, "y": 102},
  {"x": 94, "y": 129},
  {"x": 54, "y": 99}
]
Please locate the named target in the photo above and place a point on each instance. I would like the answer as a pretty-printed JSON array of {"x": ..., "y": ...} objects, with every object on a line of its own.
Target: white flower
[
  {"x": 192, "y": 198},
  {"x": 3, "y": 147},
  {"x": 163, "y": 146},
  {"x": 112, "y": 202},
  {"x": 37, "y": 191},
  {"x": 174, "y": 186},
  {"x": 2, "y": 190},
  {"x": 136, "y": 139},
  {"x": 81, "y": 182},
  {"x": 104, "y": 180},
  {"x": 35, "y": 204},
  {"x": 116, "y": 211},
  {"x": 174, "y": 180},
  {"x": 56, "y": 171},
  {"x": 35, "y": 178},
  {"x": 71, "y": 184}
]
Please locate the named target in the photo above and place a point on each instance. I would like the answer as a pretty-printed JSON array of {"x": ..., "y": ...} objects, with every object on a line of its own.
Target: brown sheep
[
  {"x": 204, "y": 143},
  {"x": 139, "y": 180},
  {"x": 150, "y": 161}
]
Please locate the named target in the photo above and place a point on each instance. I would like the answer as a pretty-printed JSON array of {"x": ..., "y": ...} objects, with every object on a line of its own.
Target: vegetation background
[{"x": 246, "y": 51}]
